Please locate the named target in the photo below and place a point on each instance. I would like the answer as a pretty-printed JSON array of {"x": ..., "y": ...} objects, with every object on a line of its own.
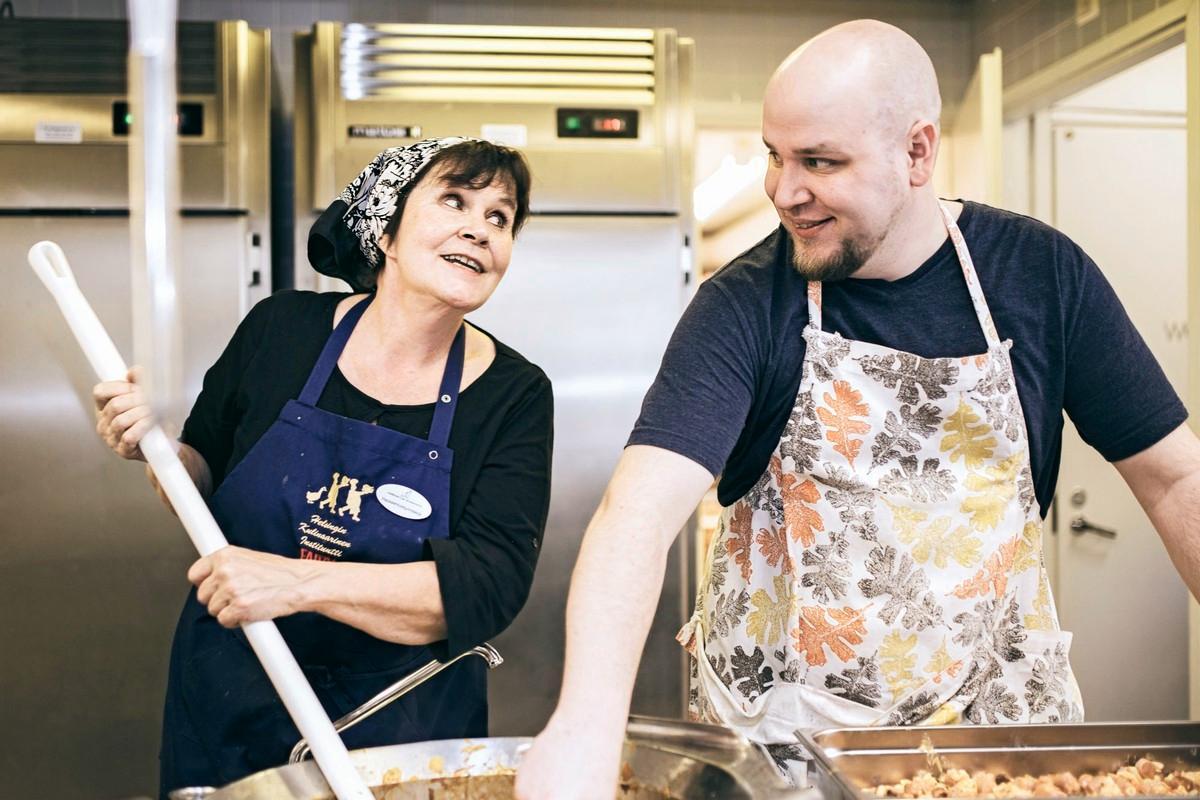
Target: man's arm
[
  {"x": 614, "y": 592},
  {"x": 1165, "y": 478}
]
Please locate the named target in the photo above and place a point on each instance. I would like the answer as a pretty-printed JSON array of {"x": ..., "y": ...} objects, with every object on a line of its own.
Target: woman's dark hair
[{"x": 474, "y": 165}]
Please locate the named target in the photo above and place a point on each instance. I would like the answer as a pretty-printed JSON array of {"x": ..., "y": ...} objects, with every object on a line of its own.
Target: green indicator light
[
  {"x": 574, "y": 123},
  {"x": 129, "y": 119}
]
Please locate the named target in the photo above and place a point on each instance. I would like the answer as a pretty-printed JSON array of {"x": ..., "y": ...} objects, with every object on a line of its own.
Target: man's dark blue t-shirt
[{"x": 730, "y": 374}]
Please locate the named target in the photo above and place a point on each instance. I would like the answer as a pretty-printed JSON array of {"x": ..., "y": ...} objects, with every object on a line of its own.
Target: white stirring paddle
[{"x": 50, "y": 264}]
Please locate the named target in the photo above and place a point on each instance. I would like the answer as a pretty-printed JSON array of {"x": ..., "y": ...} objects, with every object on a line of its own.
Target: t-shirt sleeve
[
  {"x": 485, "y": 568},
  {"x": 699, "y": 402},
  {"x": 214, "y": 417},
  {"x": 1116, "y": 393}
]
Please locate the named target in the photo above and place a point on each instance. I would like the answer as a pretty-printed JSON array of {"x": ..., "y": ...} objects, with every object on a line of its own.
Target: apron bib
[
  {"x": 320, "y": 486},
  {"x": 887, "y": 567}
]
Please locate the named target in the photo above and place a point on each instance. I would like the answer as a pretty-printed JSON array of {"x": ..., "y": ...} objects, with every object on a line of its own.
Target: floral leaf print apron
[{"x": 887, "y": 567}]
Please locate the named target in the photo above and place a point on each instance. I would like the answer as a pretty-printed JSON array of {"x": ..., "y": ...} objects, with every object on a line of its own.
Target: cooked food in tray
[{"x": 1146, "y": 777}]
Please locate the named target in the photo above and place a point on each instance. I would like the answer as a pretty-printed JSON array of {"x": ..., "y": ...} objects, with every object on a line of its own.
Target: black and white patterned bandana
[{"x": 344, "y": 241}]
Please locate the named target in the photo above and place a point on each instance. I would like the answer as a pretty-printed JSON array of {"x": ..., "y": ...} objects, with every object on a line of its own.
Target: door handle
[{"x": 1080, "y": 526}]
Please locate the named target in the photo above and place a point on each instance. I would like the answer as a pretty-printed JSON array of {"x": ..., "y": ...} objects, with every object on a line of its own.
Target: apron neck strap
[
  {"x": 330, "y": 354},
  {"x": 982, "y": 311},
  {"x": 443, "y": 411}
]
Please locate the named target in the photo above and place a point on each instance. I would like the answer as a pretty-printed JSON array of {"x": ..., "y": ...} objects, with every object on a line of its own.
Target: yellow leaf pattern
[
  {"x": 770, "y": 617},
  {"x": 965, "y": 440},
  {"x": 941, "y": 544},
  {"x": 897, "y": 663},
  {"x": 905, "y": 521},
  {"x": 992, "y": 489},
  {"x": 1041, "y": 619},
  {"x": 1029, "y": 552},
  {"x": 941, "y": 665}
]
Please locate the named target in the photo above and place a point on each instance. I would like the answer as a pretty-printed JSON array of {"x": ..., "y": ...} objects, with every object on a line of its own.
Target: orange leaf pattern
[
  {"x": 994, "y": 575},
  {"x": 844, "y": 405},
  {"x": 772, "y": 543},
  {"x": 801, "y": 521},
  {"x": 846, "y": 626},
  {"x": 738, "y": 544}
]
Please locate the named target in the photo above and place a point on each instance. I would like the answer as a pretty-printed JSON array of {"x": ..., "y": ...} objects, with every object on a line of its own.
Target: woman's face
[{"x": 453, "y": 244}]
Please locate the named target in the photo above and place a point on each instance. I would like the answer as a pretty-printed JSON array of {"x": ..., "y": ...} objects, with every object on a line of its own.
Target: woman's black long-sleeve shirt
[{"x": 502, "y": 439}]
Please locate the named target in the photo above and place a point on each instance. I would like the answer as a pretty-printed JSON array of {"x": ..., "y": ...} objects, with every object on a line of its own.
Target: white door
[{"x": 1120, "y": 192}]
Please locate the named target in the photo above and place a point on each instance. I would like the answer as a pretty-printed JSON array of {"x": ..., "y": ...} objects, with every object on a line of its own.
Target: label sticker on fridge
[
  {"x": 403, "y": 501},
  {"x": 508, "y": 135},
  {"x": 58, "y": 133}
]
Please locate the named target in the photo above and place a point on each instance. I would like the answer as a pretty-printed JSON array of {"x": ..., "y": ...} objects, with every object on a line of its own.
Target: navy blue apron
[{"x": 320, "y": 486}]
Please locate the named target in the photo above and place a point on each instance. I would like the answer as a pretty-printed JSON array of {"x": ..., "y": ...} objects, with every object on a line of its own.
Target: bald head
[{"x": 864, "y": 68}]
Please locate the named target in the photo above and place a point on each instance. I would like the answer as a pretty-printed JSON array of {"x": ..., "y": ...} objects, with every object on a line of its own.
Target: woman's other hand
[
  {"x": 123, "y": 415},
  {"x": 240, "y": 585}
]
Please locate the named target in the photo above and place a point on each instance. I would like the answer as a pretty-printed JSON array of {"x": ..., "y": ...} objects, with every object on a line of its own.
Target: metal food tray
[{"x": 847, "y": 762}]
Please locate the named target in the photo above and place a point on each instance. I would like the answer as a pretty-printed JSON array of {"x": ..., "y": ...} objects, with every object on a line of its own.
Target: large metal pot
[{"x": 662, "y": 759}]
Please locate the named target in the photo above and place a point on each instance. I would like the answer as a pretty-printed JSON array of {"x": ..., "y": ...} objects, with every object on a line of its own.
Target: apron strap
[
  {"x": 982, "y": 311},
  {"x": 331, "y": 353},
  {"x": 443, "y": 411},
  {"x": 814, "y": 305}
]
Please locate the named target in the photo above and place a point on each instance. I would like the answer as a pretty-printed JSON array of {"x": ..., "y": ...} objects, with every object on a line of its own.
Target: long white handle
[{"x": 50, "y": 264}]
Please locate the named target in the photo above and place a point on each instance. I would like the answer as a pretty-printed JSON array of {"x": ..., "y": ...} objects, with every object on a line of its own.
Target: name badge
[{"x": 403, "y": 501}]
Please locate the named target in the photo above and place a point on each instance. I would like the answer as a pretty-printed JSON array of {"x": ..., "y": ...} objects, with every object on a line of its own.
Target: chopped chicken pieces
[{"x": 1143, "y": 778}]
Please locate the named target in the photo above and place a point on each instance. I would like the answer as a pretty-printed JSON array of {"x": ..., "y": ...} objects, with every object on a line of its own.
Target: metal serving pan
[
  {"x": 848, "y": 761},
  {"x": 663, "y": 760}
]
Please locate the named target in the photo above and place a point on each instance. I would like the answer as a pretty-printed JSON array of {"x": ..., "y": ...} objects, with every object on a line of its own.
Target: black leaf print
[
  {"x": 824, "y": 353},
  {"x": 1045, "y": 688},
  {"x": 791, "y": 667},
  {"x": 1003, "y": 413},
  {"x": 906, "y": 587},
  {"x": 914, "y": 709},
  {"x": 996, "y": 379},
  {"x": 906, "y": 372},
  {"x": 979, "y": 674},
  {"x": 992, "y": 634},
  {"x": 801, "y": 435},
  {"x": 830, "y": 578},
  {"x": 903, "y": 433},
  {"x": 994, "y": 702},
  {"x": 860, "y": 684},
  {"x": 749, "y": 674},
  {"x": 728, "y": 612},
  {"x": 854, "y": 501},
  {"x": 783, "y": 753},
  {"x": 719, "y": 667},
  {"x": 719, "y": 568},
  {"x": 1025, "y": 491},
  {"x": 1008, "y": 633},
  {"x": 930, "y": 484},
  {"x": 765, "y": 497}
]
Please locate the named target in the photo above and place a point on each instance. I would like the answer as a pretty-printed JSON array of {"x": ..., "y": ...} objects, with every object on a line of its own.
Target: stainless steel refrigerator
[
  {"x": 599, "y": 275},
  {"x": 92, "y": 567}
]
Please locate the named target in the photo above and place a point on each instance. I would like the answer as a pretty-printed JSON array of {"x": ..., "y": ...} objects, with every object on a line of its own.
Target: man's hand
[
  {"x": 614, "y": 592},
  {"x": 578, "y": 760}
]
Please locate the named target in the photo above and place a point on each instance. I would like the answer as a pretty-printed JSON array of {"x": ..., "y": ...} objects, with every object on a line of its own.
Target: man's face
[{"x": 837, "y": 181}]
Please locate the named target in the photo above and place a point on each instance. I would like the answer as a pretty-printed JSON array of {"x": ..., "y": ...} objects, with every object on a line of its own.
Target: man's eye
[
  {"x": 775, "y": 160},
  {"x": 498, "y": 219},
  {"x": 818, "y": 163}
]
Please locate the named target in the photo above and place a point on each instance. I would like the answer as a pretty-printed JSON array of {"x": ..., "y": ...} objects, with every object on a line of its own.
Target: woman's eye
[
  {"x": 453, "y": 200},
  {"x": 498, "y": 219}
]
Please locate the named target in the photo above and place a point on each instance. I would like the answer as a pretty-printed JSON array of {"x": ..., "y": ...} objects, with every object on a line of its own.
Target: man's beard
[{"x": 848, "y": 259}]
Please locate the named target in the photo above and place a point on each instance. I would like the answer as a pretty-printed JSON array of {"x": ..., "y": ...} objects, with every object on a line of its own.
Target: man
[{"x": 880, "y": 384}]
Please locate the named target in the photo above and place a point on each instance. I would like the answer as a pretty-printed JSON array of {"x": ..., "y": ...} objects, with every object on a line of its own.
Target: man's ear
[{"x": 922, "y": 145}]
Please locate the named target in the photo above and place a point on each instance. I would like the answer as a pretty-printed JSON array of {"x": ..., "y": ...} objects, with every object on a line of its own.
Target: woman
[{"x": 380, "y": 468}]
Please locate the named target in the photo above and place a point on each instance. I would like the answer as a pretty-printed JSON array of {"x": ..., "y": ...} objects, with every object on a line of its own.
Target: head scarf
[{"x": 344, "y": 241}]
